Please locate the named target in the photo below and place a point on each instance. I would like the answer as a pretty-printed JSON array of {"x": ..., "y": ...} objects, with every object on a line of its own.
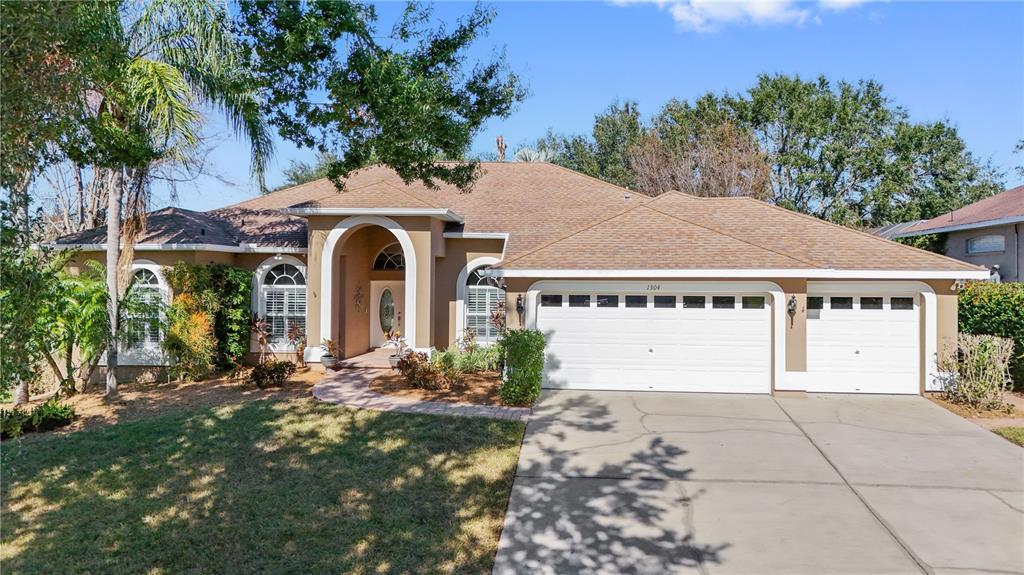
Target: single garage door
[
  {"x": 709, "y": 342},
  {"x": 858, "y": 343}
]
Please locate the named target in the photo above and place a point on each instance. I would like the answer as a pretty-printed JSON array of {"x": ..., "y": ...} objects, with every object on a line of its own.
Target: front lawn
[
  {"x": 1014, "y": 434},
  {"x": 260, "y": 487}
]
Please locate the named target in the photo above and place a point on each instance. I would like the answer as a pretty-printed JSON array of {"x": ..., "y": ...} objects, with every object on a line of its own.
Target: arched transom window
[
  {"x": 284, "y": 297},
  {"x": 390, "y": 259},
  {"x": 482, "y": 299},
  {"x": 143, "y": 329}
]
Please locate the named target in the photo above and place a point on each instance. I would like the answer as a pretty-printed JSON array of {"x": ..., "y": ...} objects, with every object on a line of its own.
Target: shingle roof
[
  {"x": 676, "y": 231},
  {"x": 560, "y": 219},
  {"x": 1002, "y": 206}
]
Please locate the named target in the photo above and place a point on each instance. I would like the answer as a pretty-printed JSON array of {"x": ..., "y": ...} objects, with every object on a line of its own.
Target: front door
[{"x": 387, "y": 310}]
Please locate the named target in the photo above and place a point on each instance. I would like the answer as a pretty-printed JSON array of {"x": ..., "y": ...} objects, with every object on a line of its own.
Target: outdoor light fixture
[
  {"x": 520, "y": 308},
  {"x": 791, "y": 308}
]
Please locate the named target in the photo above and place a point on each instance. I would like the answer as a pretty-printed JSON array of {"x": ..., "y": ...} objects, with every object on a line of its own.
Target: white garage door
[
  {"x": 863, "y": 343},
  {"x": 666, "y": 342}
]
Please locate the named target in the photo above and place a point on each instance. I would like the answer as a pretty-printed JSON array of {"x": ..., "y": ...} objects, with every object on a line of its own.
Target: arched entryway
[{"x": 368, "y": 284}]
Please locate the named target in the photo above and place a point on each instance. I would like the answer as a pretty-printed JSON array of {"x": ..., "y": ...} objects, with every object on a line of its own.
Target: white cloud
[{"x": 710, "y": 15}]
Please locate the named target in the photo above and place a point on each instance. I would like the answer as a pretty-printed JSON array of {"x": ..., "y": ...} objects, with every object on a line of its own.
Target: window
[
  {"x": 284, "y": 296},
  {"x": 870, "y": 303},
  {"x": 143, "y": 329},
  {"x": 723, "y": 302},
  {"x": 661, "y": 301},
  {"x": 986, "y": 244},
  {"x": 815, "y": 302},
  {"x": 693, "y": 301},
  {"x": 753, "y": 302},
  {"x": 841, "y": 303},
  {"x": 901, "y": 303},
  {"x": 607, "y": 301},
  {"x": 483, "y": 299},
  {"x": 579, "y": 301},
  {"x": 636, "y": 301},
  {"x": 390, "y": 259},
  {"x": 551, "y": 300}
]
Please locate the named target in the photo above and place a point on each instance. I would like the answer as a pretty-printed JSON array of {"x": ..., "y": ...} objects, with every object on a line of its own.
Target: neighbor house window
[
  {"x": 144, "y": 316},
  {"x": 986, "y": 244},
  {"x": 284, "y": 294},
  {"x": 390, "y": 259},
  {"x": 482, "y": 301}
]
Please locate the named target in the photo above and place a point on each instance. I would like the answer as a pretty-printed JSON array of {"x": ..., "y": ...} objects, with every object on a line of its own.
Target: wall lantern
[{"x": 520, "y": 308}]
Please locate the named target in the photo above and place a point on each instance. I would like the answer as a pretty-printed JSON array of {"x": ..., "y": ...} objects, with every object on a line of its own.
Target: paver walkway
[{"x": 351, "y": 387}]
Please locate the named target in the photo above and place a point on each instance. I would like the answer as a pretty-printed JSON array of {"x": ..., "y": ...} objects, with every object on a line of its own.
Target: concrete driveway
[{"x": 618, "y": 482}]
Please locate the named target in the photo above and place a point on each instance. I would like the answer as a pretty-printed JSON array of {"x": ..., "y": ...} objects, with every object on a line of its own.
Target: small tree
[{"x": 297, "y": 338}]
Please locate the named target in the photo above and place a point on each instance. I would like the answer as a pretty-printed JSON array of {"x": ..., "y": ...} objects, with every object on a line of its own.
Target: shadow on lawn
[
  {"x": 261, "y": 487},
  {"x": 634, "y": 516}
]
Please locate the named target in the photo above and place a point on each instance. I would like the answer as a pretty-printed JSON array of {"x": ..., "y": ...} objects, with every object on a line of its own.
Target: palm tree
[
  {"x": 534, "y": 155},
  {"x": 180, "y": 55}
]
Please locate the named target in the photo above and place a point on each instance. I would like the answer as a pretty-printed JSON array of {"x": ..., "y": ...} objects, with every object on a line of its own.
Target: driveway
[{"x": 619, "y": 482}]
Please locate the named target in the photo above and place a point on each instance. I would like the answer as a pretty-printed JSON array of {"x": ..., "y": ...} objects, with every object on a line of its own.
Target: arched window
[
  {"x": 482, "y": 299},
  {"x": 144, "y": 311},
  {"x": 284, "y": 297},
  {"x": 390, "y": 259}
]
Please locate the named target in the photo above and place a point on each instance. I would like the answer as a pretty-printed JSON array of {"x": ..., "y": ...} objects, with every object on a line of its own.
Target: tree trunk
[
  {"x": 20, "y": 393},
  {"x": 113, "y": 251}
]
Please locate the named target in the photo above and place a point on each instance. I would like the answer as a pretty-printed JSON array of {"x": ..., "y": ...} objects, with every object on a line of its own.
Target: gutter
[
  {"x": 237, "y": 249},
  {"x": 979, "y": 274},
  {"x": 959, "y": 227},
  {"x": 440, "y": 213}
]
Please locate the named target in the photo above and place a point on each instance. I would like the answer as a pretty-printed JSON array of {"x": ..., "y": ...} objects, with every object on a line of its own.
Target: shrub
[
  {"x": 996, "y": 309},
  {"x": 423, "y": 373},
  {"x": 523, "y": 354},
  {"x": 189, "y": 338},
  {"x": 472, "y": 360},
  {"x": 224, "y": 293},
  {"x": 978, "y": 371},
  {"x": 44, "y": 417},
  {"x": 272, "y": 373}
]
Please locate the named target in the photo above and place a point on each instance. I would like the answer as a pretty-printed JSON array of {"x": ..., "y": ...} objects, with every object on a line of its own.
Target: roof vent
[
  {"x": 202, "y": 231},
  {"x": 627, "y": 195}
]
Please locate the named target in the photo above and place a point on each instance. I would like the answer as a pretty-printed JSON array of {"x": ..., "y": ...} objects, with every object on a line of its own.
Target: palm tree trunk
[{"x": 113, "y": 251}]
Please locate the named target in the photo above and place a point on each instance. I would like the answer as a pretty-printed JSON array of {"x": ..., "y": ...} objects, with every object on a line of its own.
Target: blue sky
[{"x": 959, "y": 61}]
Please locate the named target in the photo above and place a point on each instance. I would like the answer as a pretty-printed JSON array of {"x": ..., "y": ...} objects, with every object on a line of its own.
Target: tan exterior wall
[
  {"x": 458, "y": 253},
  {"x": 796, "y": 324}
]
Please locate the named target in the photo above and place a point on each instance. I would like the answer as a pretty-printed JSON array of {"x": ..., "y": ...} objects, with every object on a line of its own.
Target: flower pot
[
  {"x": 329, "y": 361},
  {"x": 393, "y": 360}
]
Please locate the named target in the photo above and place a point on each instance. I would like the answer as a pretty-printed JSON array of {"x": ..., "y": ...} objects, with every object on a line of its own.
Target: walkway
[{"x": 350, "y": 386}]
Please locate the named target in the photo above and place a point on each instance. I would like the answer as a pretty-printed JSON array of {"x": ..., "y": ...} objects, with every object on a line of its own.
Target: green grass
[
  {"x": 261, "y": 487},
  {"x": 1014, "y": 434}
]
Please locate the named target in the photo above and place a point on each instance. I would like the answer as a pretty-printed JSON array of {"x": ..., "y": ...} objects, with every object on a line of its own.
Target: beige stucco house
[{"x": 673, "y": 293}]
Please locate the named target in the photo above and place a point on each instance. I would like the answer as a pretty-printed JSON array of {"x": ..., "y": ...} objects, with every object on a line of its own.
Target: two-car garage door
[
  {"x": 656, "y": 340},
  {"x": 861, "y": 340}
]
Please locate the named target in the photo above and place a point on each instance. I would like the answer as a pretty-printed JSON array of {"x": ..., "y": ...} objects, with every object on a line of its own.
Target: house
[
  {"x": 673, "y": 293},
  {"x": 988, "y": 233}
]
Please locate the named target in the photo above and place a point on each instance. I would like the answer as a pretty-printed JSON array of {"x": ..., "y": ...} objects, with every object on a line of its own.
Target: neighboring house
[
  {"x": 988, "y": 233},
  {"x": 673, "y": 293}
]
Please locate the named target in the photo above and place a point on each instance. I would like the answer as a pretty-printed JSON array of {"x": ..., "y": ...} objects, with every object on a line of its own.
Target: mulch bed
[{"x": 476, "y": 389}]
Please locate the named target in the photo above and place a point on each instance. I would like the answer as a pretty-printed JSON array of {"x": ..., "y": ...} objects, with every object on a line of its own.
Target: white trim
[
  {"x": 241, "y": 248},
  {"x": 793, "y": 380},
  {"x": 259, "y": 303},
  {"x": 814, "y": 273},
  {"x": 970, "y": 226},
  {"x": 341, "y": 229},
  {"x": 146, "y": 355},
  {"x": 442, "y": 213},
  {"x": 476, "y": 235},
  {"x": 460, "y": 290},
  {"x": 778, "y": 303}
]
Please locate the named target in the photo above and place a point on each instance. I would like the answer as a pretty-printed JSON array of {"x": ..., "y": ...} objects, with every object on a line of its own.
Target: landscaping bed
[
  {"x": 211, "y": 481},
  {"x": 482, "y": 388}
]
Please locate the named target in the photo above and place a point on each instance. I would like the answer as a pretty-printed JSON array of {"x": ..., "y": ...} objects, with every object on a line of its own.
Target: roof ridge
[
  {"x": 720, "y": 232},
  {"x": 865, "y": 234},
  {"x": 588, "y": 176},
  {"x": 575, "y": 232}
]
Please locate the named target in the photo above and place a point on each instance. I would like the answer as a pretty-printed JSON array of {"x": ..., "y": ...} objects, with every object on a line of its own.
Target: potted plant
[
  {"x": 395, "y": 340},
  {"x": 330, "y": 357},
  {"x": 297, "y": 338}
]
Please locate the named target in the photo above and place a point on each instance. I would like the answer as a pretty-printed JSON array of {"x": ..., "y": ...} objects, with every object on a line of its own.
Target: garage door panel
[
  {"x": 648, "y": 348},
  {"x": 863, "y": 350}
]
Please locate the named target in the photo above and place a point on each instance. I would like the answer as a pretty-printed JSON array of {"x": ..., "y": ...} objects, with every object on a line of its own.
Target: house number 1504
[{"x": 653, "y": 287}]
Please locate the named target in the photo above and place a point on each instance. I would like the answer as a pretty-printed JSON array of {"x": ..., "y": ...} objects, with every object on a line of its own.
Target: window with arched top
[
  {"x": 390, "y": 259},
  {"x": 284, "y": 297},
  {"x": 145, "y": 310},
  {"x": 483, "y": 297}
]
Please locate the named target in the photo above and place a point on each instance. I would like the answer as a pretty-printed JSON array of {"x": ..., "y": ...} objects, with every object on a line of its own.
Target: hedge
[
  {"x": 987, "y": 308},
  {"x": 523, "y": 353}
]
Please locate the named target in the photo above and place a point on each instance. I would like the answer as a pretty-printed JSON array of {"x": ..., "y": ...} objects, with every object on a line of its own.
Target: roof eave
[
  {"x": 959, "y": 227},
  {"x": 439, "y": 213},
  {"x": 239, "y": 248},
  {"x": 977, "y": 274}
]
